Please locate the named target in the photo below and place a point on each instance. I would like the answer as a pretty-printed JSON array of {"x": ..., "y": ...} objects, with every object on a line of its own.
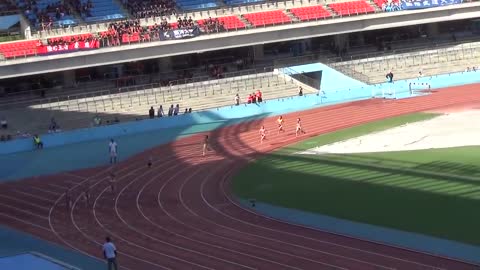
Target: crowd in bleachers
[
  {"x": 84, "y": 9},
  {"x": 44, "y": 17},
  {"x": 212, "y": 25},
  {"x": 70, "y": 39},
  {"x": 151, "y": 8},
  {"x": 7, "y": 6},
  {"x": 185, "y": 23}
]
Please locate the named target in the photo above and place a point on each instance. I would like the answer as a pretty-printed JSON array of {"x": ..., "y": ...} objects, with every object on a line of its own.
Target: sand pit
[{"x": 449, "y": 130}]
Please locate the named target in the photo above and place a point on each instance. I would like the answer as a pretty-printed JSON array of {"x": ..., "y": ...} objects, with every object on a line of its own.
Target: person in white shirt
[
  {"x": 110, "y": 254},
  {"x": 112, "y": 148}
]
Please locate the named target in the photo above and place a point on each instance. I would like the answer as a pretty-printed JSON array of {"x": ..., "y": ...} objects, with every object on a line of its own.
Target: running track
[{"x": 179, "y": 214}]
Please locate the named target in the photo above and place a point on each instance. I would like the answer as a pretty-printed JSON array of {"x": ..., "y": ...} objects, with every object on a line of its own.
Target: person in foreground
[{"x": 110, "y": 254}]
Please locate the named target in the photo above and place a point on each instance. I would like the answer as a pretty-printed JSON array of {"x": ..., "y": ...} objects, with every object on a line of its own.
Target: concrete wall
[{"x": 104, "y": 56}]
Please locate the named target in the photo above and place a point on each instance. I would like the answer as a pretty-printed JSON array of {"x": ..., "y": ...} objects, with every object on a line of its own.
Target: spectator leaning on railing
[{"x": 152, "y": 8}]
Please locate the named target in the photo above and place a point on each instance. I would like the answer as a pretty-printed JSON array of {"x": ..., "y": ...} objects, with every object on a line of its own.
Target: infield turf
[{"x": 434, "y": 192}]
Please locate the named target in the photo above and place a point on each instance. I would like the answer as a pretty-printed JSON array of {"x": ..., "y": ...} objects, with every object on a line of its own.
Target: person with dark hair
[
  {"x": 151, "y": 113},
  {"x": 170, "y": 110},
  {"x": 190, "y": 110},
  {"x": 110, "y": 253},
  {"x": 176, "y": 111},
  {"x": 389, "y": 76}
]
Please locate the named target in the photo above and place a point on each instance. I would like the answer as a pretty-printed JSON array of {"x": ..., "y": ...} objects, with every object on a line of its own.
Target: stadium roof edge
[{"x": 115, "y": 55}]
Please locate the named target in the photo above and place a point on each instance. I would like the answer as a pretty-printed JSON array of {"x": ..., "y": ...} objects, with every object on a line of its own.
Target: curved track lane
[{"x": 179, "y": 214}]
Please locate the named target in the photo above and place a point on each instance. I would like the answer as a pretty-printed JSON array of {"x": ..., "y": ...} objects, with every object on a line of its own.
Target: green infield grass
[{"x": 434, "y": 192}]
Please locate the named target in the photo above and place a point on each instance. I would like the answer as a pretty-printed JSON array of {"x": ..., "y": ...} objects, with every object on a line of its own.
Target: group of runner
[
  {"x": 263, "y": 133},
  {"x": 280, "y": 122}
]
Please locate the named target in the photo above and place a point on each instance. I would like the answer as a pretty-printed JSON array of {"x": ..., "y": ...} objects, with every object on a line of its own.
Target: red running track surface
[{"x": 179, "y": 213}]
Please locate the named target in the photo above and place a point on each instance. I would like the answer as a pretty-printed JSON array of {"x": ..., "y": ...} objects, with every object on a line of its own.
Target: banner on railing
[
  {"x": 180, "y": 34},
  {"x": 419, "y": 4},
  {"x": 79, "y": 45}
]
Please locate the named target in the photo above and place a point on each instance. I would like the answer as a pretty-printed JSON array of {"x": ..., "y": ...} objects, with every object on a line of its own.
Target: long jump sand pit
[{"x": 460, "y": 128}]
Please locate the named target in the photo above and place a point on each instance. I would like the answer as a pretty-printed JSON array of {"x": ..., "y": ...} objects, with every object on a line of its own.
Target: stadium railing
[
  {"x": 188, "y": 87},
  {"x": 364, "y": 63}
]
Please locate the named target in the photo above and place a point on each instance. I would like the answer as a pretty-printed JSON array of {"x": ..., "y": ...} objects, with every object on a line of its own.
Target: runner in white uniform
[{"x": 112, "y": 148}]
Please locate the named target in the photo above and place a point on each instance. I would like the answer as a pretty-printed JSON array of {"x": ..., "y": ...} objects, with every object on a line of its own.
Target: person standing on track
[
  {"x": 110, "y": 254},
  {"x": 112, "y": 183},
  {"x": 280, "y": 122},
  {"x": 113, "y": 150},
  {"x": 299, "y": 128},
  {"x": 206, "y": 146},
  {"x": 263, "y": 134}
]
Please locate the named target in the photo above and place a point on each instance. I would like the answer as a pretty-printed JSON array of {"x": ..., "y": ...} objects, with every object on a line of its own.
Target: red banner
[{"x": 79, "y": 45}]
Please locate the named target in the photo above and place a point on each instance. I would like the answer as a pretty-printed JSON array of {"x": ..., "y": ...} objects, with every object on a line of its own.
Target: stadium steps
[
  {"x": 292, "y": 17},
  {"x": 128, "y": 106},
  {"x": 375, "y": 6}
]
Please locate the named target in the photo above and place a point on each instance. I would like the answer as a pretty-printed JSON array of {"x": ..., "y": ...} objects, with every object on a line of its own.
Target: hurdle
[
  {"x": 384, "y": 91},
  {"x": 419, "y": 88}
]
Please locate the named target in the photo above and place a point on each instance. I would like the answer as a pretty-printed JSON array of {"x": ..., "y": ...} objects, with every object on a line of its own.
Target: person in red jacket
[
  {"x": 249, "y": 99},
  {"x": 259, "y": 96}
]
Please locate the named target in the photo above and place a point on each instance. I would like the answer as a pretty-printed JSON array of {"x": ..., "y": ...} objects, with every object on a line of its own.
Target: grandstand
[
  {"x": 73, "y": 64},
  {"x": 132, "y": 103},
  {"x": 427, "y": 62}
]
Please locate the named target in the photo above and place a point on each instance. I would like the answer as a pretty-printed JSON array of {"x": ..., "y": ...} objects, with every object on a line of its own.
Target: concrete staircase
[
  {"x": 128, "y": 106},
  {"x": 408, "y": 65}
]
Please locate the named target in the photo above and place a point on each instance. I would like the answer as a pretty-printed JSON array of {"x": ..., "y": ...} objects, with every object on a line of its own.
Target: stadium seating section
[
  {"x": 103, "y": 10},
  {"x": 47, "y": 10},
  {"x": 70, "y": 38},
  {"x": 310, "y": 13},
  {"x": 229, "y": 22},
  {"x": 242, "y": 2},
  {"x": 351, "y": 8},
  {"x": 7, "y": 7},
  {"x": 267, "y": 18},
  {"x": 196, "y": 4},
  {"x": 19, "y": 49}
]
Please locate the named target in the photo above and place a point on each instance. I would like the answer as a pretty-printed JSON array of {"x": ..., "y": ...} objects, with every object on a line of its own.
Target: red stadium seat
[
  {"x": 265, "y": 18},
  {"x": 229, "y": 22},
  {"x": 310, "y": 13},
  {"x": 351, "y": 8},
  {"x": 19, "y": 48}
]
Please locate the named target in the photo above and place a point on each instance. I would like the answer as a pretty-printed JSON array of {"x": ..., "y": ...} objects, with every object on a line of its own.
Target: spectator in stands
[
  {"x": 160, "y": 112},
  {"x": 300, "y": 91},
  {"x": 151, "y": 113},
  {"x": 170, "y": 110},
  {"x": 237, "y": 100},
  {"x": 4, "y": 123},
  {"x": 213, "y": 25},
  {"x": 151, "y": 8},
  {"x": 176, "y": 110},
  {"x": 249, "y": 99},
  {"x": 389, "y": 76},
  {"x": 37, "y": 142},
  {"x": 254, "y": 98},
  {"x": 258, "y": 95}
]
